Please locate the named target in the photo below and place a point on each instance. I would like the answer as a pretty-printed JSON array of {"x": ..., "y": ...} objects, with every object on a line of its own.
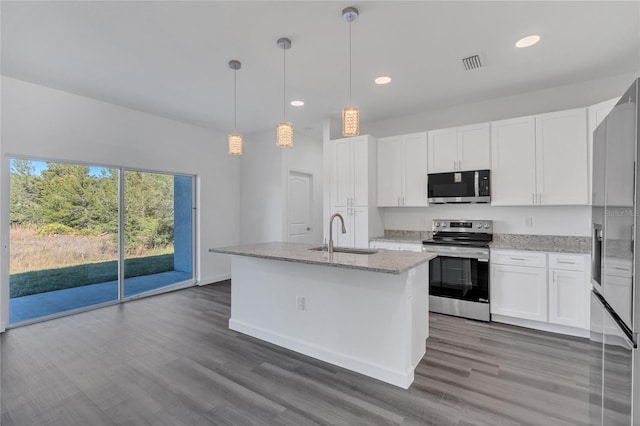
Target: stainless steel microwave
[{"x": 459, "y": 187}]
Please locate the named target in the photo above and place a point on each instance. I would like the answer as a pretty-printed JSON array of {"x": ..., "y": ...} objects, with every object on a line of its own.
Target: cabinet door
[
  {"x": 390, "y": 171},
  {"x": 415, "y": 170},
  {"x": 443, "y": 150},
  {"x": 567, "y": 298},
  {"x": 360, "y": 161},
  {"x": 620, "y": 156},
  {"x": 513, "y": 162},
  {"x": 341, "y": 172},
  {"x": 340, "y": 239},
  {"x": 518, "y": 291},
  {"x": 360, "y": 227},
  {"x": 474, "y": 147},
  {"x": 562, "y": 169}
]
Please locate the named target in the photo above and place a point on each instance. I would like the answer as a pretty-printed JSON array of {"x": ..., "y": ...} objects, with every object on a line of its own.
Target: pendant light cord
[
  {"x": 284, "y": 85},
  {"x": 235, "y": 100},
  {"x": 350, "y": 63}
]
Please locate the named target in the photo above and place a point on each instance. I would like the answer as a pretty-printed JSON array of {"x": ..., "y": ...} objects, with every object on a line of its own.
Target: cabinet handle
[
  {"x": 398, "y": 200},
  {"x": 566, "y": 262},
  {"x": 554, "y": 276},
  {"x": 533, "y": 198},
  {"x": 518, "y": 258},
  {"x": 454, "y": 165},
  {"x": 403, "y": 202},
  {"x": 621, "y": 269},
  {"x": 539, "y": 197}
]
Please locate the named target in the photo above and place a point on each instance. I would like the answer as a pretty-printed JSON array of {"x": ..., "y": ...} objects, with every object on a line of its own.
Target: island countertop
[{"x": 385, "y": 261}]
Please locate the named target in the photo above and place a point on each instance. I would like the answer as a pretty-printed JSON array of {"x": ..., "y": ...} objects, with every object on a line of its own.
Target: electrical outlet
[{"x": 300, "y": 303}]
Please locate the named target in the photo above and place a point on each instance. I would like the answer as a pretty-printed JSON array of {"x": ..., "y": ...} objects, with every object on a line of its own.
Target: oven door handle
[{"x": 483, "y": 260}]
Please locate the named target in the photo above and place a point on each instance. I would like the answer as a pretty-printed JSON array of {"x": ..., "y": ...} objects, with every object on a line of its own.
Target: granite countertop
[
  {"x": 549, "y": 243},
  {"x": 385, "y": 261}
]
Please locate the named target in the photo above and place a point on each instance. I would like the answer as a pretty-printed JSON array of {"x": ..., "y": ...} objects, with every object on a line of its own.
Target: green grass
[{"x": 35, "y": 282}]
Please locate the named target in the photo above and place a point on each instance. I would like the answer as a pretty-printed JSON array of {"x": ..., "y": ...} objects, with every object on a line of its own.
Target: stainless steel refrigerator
[{"x": 615, "y": 296}]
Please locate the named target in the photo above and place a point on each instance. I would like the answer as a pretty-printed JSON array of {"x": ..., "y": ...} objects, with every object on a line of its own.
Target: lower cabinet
[
  {"x": 519, "y": 291},
  {"x": 547, "y": 291}
]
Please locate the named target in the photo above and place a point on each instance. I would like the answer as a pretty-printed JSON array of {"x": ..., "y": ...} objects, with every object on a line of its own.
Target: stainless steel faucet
[{"x": 344, "y": 230}]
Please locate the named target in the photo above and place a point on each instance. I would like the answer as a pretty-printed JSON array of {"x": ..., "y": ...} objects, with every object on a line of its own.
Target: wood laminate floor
[{"x": 171, "y": 360}]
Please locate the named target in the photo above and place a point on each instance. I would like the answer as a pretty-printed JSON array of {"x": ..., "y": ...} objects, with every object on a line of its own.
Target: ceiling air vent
[{"x": 472, "y": 62}]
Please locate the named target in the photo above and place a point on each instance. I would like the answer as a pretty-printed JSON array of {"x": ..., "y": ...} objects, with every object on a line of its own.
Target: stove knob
[
  {"x": 478, "y": 225},
  {"x": 486, "y": 226},
  {"x": 437, "y": 224}
]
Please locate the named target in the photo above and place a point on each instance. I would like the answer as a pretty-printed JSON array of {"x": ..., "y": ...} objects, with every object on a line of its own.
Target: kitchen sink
[{"x": 346, "y": 250}]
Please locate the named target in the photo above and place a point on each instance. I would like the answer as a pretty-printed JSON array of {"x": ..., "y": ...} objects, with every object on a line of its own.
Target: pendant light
[
  {"x": 235, "y": 138},
  {"x": 284, "y": 130},
  {"x": 350, "y": 114}
]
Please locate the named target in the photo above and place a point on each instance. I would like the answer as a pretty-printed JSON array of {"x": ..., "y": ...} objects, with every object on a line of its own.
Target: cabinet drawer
[
  {"x": 385, "y": 245},
  {"x": 410, "y": 246},
  {"x": 568, "y": 262},
  {"x": 533, "y": 259}
]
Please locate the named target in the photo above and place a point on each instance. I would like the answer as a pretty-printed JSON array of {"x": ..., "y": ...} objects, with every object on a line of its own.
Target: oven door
[{"x": 461, "y": 278}]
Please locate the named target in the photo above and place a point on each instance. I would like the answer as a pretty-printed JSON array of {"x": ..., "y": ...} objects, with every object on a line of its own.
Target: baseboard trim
[
  {"x": 214, "y": 279},
  {"x": 396, "y": 378},
  {"x": 543, "y": 326}
]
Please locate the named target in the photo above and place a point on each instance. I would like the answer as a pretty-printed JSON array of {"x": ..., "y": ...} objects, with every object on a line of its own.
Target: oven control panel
[{"x": 477, "y": 226}]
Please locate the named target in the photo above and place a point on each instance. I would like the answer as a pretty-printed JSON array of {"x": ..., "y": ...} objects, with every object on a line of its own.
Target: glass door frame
[{"x": 5, "y": 208}]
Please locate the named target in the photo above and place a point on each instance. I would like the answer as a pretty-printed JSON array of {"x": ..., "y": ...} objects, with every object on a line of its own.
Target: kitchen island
[{"x": 364, "y": 312}]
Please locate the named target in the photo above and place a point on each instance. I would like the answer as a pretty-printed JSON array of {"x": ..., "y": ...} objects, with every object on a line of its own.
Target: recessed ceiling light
[
  {"x": 383, "y": 80},
  {"x": 297, "y": 103},
  {"x": 528, "y": 41}
]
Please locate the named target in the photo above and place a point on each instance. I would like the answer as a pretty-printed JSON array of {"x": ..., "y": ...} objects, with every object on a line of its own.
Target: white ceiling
[{"x": 170, "y": 58}]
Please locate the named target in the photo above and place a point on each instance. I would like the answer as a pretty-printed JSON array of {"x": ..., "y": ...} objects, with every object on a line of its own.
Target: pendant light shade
[
  {"x": 284, "y": 130},
  {"x": 234, "y": 140},
  {"x": 350, "y": 114},
  {"x": 235, "y": 144},
  {"x": 284, "y": 135},
  {"x": 350, "y": 121}
]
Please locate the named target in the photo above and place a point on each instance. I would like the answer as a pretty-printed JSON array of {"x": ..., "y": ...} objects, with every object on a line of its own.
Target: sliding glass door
[
  {"x": 157, "y": 231},
  {"x": 85, "y": 235}
]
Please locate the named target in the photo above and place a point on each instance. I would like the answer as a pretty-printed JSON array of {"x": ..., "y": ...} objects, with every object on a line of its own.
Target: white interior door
[{"x": 300, "y": 207}]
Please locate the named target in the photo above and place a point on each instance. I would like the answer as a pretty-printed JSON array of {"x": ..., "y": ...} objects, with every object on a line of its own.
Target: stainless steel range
[{"x": 459, "y": 276}]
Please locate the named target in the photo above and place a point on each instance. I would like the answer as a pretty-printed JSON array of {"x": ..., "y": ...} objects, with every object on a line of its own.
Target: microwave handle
[{"x": 476, "y": 183}]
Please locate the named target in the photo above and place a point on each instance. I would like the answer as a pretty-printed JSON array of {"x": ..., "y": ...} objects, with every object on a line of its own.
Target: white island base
[{"x": 373, "y": 323}]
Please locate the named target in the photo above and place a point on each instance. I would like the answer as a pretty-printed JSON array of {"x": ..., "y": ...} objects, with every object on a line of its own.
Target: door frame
[{"x": 285, "y": 207}]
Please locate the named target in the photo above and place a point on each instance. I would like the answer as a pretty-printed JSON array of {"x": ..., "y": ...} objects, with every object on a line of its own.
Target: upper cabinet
[
  {"x": 460, "y": 148},
  {"x": 562, "y": 158},
  {"x": 540, "y": 160},
  {"x": 402, "y": 170},
  {"x": 513, "y": 167},
  {"x": 353, "y": 169}
]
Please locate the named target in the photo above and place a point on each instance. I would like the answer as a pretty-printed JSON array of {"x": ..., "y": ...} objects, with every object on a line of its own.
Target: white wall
[
  {"x": 545, "y": 220},
  {"x": 44, "y": 123},
  {"x": 264, "y": 185},
  {"x": 575, "y": 220}
]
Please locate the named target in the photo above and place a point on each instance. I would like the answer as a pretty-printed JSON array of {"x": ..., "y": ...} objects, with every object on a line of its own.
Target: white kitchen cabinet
[
  {"x": 352, "y": 170},
  {"x": 351, "y": 166},
  {"x": 540, "y": 160},
  {"x": 460, "y": 148},
  {"x": 562, "y": 157},
  {"x": 356, "y": 222},
  {"x": 443, "y": 150},
  {"x": 519, "y": 291},
  {"x": 525, "y": 292},
  {"x": 567, "y": 305},
  {"x": 402, "y": 170},
  {"x": 513, "y": 161},
  {"x": 596, "y": 113}
]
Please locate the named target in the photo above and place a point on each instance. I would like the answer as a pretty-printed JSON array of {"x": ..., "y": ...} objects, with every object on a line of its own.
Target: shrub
[{"x": 55, "y": 229}]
